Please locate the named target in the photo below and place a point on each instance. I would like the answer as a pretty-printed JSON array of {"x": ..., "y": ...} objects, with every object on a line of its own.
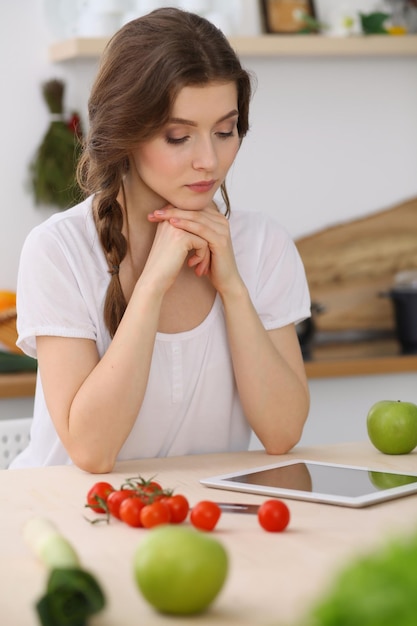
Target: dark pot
[
  {"x": 404, "y": 300},
  {"x": 306, "y": 330}
]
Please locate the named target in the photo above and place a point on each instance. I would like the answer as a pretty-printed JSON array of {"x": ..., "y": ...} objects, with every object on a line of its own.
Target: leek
[{"x": 72, "y": 593}]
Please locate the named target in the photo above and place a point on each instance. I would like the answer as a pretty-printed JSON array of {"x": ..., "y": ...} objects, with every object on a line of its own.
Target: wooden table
[{"x": 273, "y": 577}]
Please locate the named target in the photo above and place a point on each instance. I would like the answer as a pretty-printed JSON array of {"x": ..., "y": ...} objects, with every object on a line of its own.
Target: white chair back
[{"x": 14, "y": 437}]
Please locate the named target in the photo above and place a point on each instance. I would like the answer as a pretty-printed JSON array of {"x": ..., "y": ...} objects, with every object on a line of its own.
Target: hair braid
[{"x": 109, "y": 223}]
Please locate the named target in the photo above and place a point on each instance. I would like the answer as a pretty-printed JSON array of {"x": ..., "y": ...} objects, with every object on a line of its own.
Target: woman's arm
[
  {"x": 268, "y": 366},
  {"x": 270, "y": 375},
  {"x": 94, "y": 402}
]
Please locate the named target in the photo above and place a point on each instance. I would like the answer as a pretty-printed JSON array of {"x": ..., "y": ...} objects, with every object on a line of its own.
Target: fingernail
[{"x": 160, "y": 212}]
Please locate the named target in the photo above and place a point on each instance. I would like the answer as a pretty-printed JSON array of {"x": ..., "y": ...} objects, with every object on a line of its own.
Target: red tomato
[
  {"x": 130, "y": 510},
  {"x": 152, "y": 486},
  {"x": 205, "y": 515},
  {"x": 147, "y": 486},
  {"x": 116, "y": 498},
  {"x": 155, "y": 514},
  {"x": 148, "y": 490},
  {"x": 97, "y": 496},
  {"x": 179, "y": 507},
  {"x": 274, "y": 515}
]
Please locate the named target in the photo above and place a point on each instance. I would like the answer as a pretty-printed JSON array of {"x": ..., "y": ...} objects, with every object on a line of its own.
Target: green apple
[
  {"x": 385, "y": 480},
  {"x": 392, "y": 426},
  {"x": 179, "y": 570}
]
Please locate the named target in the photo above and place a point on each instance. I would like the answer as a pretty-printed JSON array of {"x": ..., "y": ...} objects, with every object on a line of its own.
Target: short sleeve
[
  {"x": 49, "y": 291},
  {"x": 282, "y": 291},
  {"x": 271, "y": 268}
]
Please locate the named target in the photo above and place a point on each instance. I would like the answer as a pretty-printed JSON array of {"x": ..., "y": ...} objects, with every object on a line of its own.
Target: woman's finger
[{"x": 200, "y": 261}]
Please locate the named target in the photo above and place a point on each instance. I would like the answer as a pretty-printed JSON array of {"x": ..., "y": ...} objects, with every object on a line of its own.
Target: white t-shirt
[{"x": 191, "y": 403}]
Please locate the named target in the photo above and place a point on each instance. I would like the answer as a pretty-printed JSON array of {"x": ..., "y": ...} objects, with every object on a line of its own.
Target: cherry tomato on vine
[
  {"x": 116, "y": 498},
  {"x": 274, "y": 516},
  {"x": 152, "y": 486},
  {"x": 130, "y": 510},
  {"x": 178, "y": 506},
  {"x": 148, "y": 490},
  {"x": 155, "y": 514},
  {"x": 205, "y": 515},
  {"x": 98, "y": 495}
]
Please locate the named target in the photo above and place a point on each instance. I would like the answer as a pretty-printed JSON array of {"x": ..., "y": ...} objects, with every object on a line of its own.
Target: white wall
[
  {"x": 331, "y": 140},
  {"x": 339, "y": 406}
]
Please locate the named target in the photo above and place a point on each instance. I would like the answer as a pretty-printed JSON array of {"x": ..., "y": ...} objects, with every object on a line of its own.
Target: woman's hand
[
  {"x": 210, "y": 226},
  {"x": 170, "y": 249}
]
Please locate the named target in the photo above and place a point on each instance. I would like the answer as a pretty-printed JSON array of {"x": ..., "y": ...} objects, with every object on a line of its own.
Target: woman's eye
[
  {"x": 176, "y": 140},
  {"x": 180, "y": 140},
  {"x": 226, "y": 135}
]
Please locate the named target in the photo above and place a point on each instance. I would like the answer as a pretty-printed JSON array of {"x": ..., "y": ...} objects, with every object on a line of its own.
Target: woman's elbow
[
  {"x": 286, "y": 439},
  {"x": 281, "y": 447},
  {"x": 92, "y": 464}
]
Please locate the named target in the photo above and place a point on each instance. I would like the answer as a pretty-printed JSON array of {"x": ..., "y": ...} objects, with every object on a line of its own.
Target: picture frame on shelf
[{"x": 282, "y": 16}]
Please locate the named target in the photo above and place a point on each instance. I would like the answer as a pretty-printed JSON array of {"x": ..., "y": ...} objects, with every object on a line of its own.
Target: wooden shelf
[
  {"x": 328, "y": 361},
  {"x": 359, "y": 359},
  {"x": 20, "y": 385},
  {"x": 361, "y": 366},
  {"x": 269, "y": 45}
]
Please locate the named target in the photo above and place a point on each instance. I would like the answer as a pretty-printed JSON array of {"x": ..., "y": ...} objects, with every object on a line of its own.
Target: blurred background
[{"x": 332, "y": 138}]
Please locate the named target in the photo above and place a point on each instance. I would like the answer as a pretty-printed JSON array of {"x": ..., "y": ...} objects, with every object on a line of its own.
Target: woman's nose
[{"x": 205, "y": 155}]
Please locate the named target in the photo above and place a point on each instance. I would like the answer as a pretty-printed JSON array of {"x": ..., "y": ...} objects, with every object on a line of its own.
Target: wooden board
[{"x": 348, "y": 266}]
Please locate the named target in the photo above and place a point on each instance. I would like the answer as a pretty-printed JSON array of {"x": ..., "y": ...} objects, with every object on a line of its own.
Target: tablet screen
[
  {"x": 320, "y": 482},
  {"x": 332, "y": 480}
]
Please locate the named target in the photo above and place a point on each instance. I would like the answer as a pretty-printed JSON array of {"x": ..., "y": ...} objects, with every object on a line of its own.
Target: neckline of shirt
[{"x": 188, "y": 334}]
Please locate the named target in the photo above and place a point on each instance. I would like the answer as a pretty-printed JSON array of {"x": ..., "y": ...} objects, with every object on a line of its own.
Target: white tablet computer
[{"x": 330, "y": 483}]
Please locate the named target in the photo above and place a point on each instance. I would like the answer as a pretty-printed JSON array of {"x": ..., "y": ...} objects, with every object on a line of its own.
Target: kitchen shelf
[
  {"x": 328, "y": 361},
  {"x": 21, "y": 385},
  {"x": 359, "y": 358},
  {"x": 269, "y": 46}
]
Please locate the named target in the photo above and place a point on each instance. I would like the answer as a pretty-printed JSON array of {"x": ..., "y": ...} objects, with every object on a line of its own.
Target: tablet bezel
[{"x": 222, "y": 481}]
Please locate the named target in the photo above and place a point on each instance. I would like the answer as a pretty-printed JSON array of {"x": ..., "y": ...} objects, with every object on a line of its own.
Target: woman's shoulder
[
  {"x": 77, "y": 220},
  {"x": 256, "y": 226},
  {"x": 255, "y": 219}
]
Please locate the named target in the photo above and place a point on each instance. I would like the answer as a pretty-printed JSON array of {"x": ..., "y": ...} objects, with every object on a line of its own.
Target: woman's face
[{"x": 185, "y": 164}]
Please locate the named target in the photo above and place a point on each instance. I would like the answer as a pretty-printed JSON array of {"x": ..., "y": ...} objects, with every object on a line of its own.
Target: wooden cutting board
[{"x": 348, "y": 265}]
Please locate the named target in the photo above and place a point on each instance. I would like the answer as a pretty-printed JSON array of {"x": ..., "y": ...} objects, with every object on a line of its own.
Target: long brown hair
[{"x": 143, "y": 68}]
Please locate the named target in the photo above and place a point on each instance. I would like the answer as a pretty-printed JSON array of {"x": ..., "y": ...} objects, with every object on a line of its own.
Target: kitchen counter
[
  {"x": 273, "y": 578},
  {"x": 328, "y": 360},
  {"x": 359, "y": 358},
  {"x": 19, "y": 385}
]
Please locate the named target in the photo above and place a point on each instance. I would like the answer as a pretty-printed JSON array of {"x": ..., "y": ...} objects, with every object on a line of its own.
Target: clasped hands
[{"x": 207, "y": 244}]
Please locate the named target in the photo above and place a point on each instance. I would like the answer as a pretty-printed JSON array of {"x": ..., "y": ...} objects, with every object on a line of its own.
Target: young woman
[{"x": 163, "y": 324}]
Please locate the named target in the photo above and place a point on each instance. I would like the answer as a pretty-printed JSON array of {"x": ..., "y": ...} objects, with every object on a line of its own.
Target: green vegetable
[
  {"x": 52, "y": 170},
  {"x": 379, "y": 589},
  {"x": 72, "y": 594},
  {"x": 12, "y": 362},
  {"x": 374, "y": 23}
]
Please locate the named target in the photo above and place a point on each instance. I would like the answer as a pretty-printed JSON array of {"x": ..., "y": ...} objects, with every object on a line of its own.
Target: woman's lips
[{"x": 202, "y": 186}]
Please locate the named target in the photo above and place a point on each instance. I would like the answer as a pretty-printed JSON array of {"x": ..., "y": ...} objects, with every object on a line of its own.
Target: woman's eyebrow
[{"x": 184, "y": 122}]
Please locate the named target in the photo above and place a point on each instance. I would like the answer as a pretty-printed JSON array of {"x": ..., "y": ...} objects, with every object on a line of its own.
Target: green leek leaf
[{"x": 72, "y": 596}]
